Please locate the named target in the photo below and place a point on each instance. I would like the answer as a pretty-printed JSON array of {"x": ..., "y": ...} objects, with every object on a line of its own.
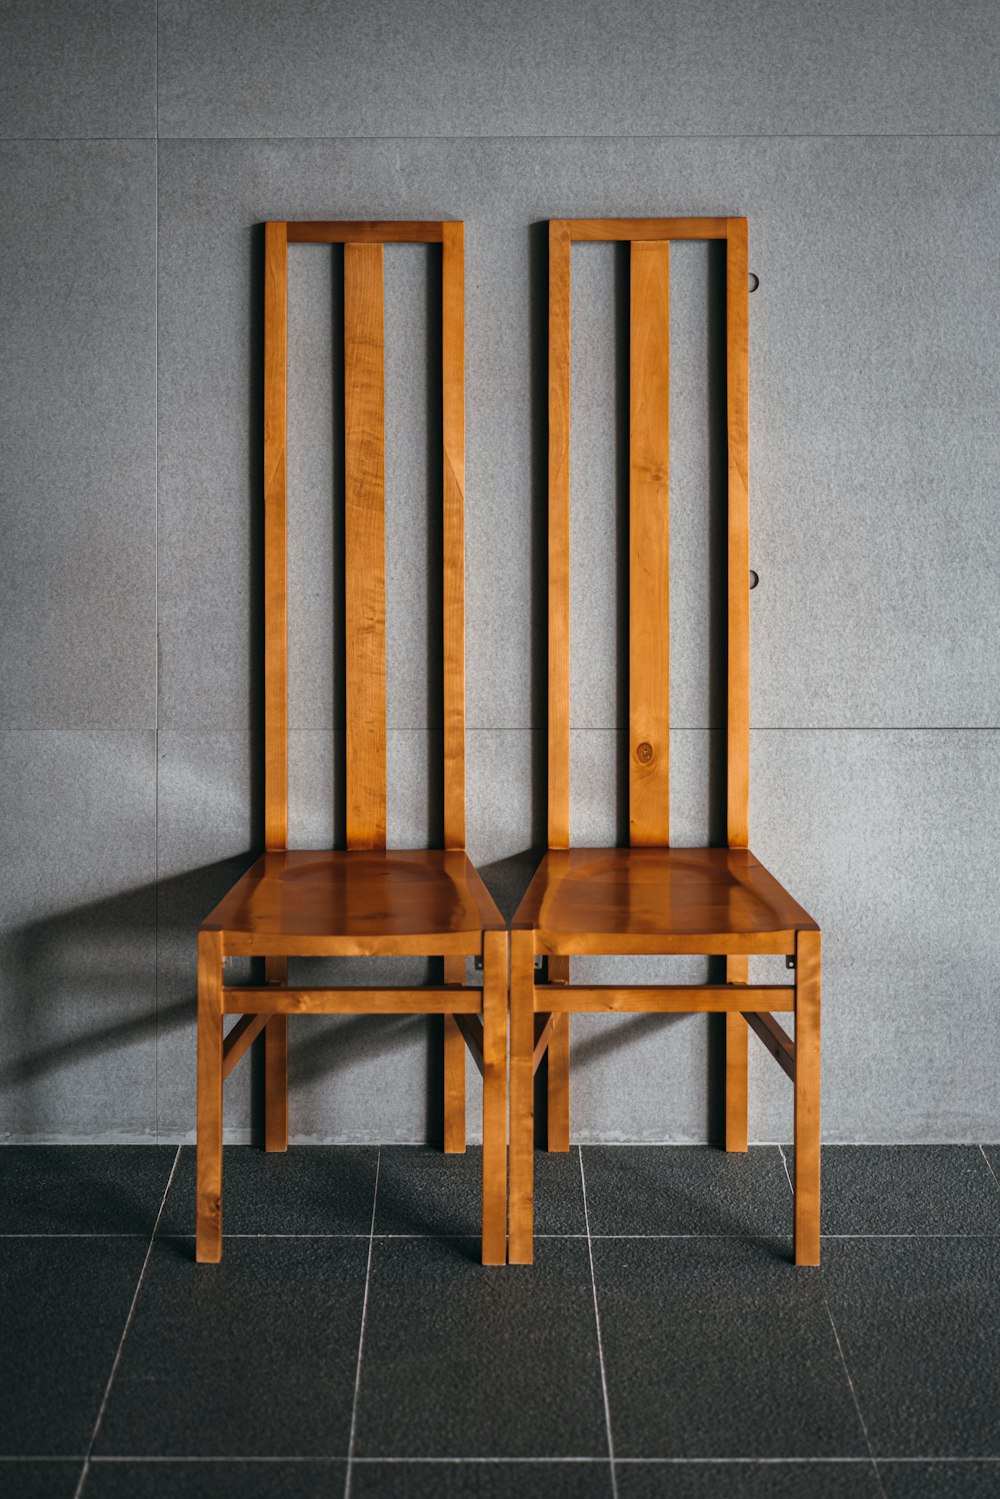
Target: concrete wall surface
[{"x": 141, "y": 149}]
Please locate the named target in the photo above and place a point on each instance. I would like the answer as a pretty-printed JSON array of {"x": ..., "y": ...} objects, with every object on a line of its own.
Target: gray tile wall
[{"x": 141, "y": 147}]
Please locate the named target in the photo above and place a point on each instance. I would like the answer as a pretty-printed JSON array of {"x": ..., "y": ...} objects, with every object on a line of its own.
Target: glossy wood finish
[
  {"x": 558, "y": 625},
  {"x": 364, "y": 543},
  {"x": 649, "y": 545},
  {"x": 649, "y": 898},
  {"x": 363, "y": 900},
  {"x": 275, "y": 534}
]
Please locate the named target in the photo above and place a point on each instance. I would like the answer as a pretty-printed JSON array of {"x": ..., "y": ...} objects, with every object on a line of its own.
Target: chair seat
[
  {"x": 659, "y": 900},
  {"x": 304, "y": 903}
]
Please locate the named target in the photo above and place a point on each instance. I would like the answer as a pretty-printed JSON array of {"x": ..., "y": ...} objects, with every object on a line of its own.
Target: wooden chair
[
  {"x": 649, "y": 898},
  {"x": 362, "y": 900}
]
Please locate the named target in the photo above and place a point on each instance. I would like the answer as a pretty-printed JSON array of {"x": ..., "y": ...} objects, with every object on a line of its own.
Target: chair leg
[
  {"x": 807, "y": 1097},
  {"x": 276, "y": 1065},
  {"x": 494, "y": 1098},
  {"x": 454, "y": 1068},
  {"x": 557, "y": 1065},
  {"x": 737, "y": 970},
  {"x": 208, "y": 1241},
  {"x": 522, "y": 1095}
]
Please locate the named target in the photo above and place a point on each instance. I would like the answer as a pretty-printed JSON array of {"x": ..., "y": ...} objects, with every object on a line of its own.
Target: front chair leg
[
  {"x": 276, "y": 1065},
  {"x": 454, "y": 1068},
  {"x": 494, "y": 1098},
  {"x": 208, "y": 1241},
  {"x": 557, "y": 1066},
  {"x": 522, "y": 1099},
  {"x": 737, "y": 971},
  {"x": 807, "y": 1097}
]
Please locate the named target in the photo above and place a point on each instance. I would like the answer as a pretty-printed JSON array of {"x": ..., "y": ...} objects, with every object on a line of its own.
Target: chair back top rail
[
  {"x": 649, "y": 528},
  {"x": 364, "y": 519}
]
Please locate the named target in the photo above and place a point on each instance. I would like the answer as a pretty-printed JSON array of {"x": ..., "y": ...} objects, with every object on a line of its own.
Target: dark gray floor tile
[
  {"x": 690, "y": 1189},
  {"x": 465, "y": 1361},
  {"x": 63, "y": 1306},
  {"x": 773, "y": 1480},
  {"x": 255, "y": 1356},
  {"x": 27, "y": 1479},
  {"x": 216, "y": 1480},
  {"x": 919, "y": 1320},
  {"x": 907, "y": 1189},
  {"x": 492, "y": 1480},
  {"x": 720, "y": 1348},
  {"x": 82, "y": 1189},
  {"x": 422, "y": 1191},
  {"x": 308, "y": 1189},
  {"x": 943, "y": 1480}
]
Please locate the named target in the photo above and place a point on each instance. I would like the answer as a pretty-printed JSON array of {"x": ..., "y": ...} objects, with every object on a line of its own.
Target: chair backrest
[
  {"x": 364, "y": 520},
  {"x": 649, "y": 466}
]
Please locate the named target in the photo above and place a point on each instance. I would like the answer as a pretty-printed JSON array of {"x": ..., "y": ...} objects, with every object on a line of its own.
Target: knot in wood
[{"x": 644, "y": 753}]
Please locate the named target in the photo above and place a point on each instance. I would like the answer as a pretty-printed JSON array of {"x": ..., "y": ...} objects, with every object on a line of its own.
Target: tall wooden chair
[
  {"x": 649, "y": 898},
  {"x": 362, "y": 900}
]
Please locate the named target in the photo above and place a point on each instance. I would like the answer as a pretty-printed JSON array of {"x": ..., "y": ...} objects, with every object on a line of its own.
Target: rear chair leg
[
  {"x": 737, "y": 970},
  {"x": 807, "y": 1097},
  {"x": 276, "y": 1065},
  {"x": 208, "y": 1241},
  {"x": 454, "y": 1068},
  {"x": 494, "y": 1098},
  {"x": 557, "y": 1065},
  {"x": 522, "y": 1095}
]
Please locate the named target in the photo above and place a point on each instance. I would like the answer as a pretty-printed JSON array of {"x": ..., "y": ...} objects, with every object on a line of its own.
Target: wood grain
[
  {"x": 239, "y": 1040},
  {"x": 351, "y": 1000},
  {"x": 681, "y": 999},
  {"x": 361, "y": 231},
  {"x": 454, "y": 1068},
  {"x": 649, "y": 545},
  {"x": 364, "y": 543},
  {"x": 775, "y": 1040},
  {"x": 208, "y": 1235},
  {"x": 584, "y": 230},
  {"x": 453, "y": 607},
  {"x": 275, "y": 536},
  {"x": 276, "y": 1066},
  {"x": 494, "y": 1067},
  {"x": 737, "y": 1060},
  {"x": 559, "y": 622},
  {"x": 738, "y": 560},
  {"x": 522, "y": 1098}
]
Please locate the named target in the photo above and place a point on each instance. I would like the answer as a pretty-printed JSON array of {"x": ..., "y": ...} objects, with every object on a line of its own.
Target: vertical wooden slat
[
  {"x": 453, "y": 414},
  {"x": 208, "y": 1239},
  {"x": 649, "y": 545},
  {"x": 737, "y": 1122},
  {"x": 738, "y": 422},
  {"x": 275, "y": 545},
  {"x": 559, "y": 388},
  {"x": 807, "y": 1098},
  {"x": 494, "y": 1098},
  {"x": 364, "y": 542}
]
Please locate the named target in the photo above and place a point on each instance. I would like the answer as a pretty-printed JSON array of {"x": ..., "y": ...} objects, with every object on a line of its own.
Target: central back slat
[
  {"x": 649, "y": 545},
  {"x": 364, "y": 542}
]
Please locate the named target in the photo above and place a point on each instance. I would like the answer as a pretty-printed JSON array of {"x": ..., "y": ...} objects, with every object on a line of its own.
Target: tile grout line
[
  {"x": 361, "y": 1337},
  {"x": 600, "y": 1341},
  {"x": 854, "y": 1393},
  {"x": 125, "y": 1332},
  {"x": 989, "y": 1165}
]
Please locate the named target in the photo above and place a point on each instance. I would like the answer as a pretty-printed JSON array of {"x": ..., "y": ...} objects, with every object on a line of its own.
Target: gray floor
[{"x": 349, "y": 1343}]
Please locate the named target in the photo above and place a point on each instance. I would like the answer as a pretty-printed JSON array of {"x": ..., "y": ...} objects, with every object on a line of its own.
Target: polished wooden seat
[
  {"x": 356, "y": 903},
  {"x": 659, "y": 900},
  {"x": 650, "y": 898},
  {"x": 364, "y": 900}
]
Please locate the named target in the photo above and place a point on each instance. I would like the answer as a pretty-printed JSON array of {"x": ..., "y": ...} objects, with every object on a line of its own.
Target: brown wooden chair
[
  {"x": 649, "y": 898},
  {"x": 363, "y": 900}
]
